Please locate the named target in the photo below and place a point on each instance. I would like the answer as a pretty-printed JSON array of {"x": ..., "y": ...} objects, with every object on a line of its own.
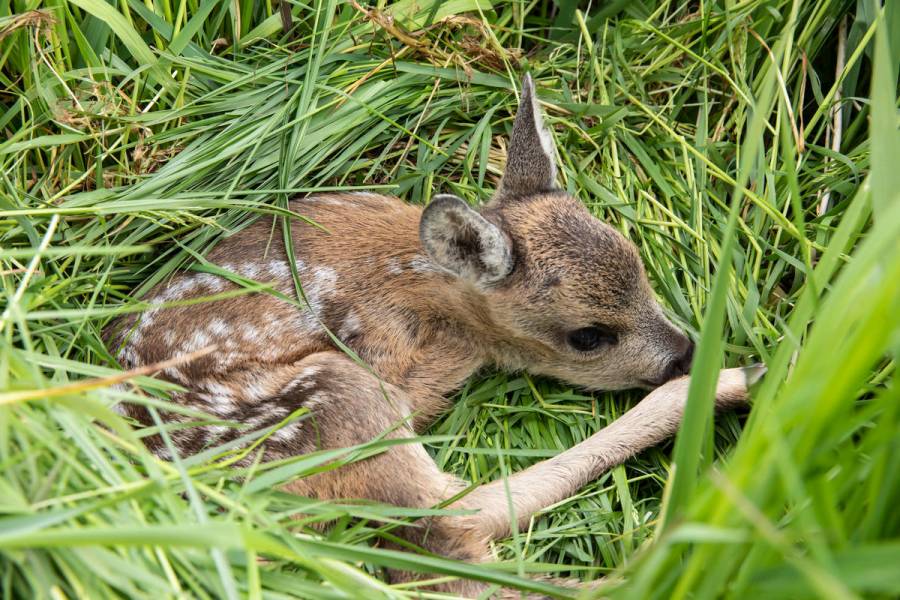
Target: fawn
[{"x": 425, "y": 297}]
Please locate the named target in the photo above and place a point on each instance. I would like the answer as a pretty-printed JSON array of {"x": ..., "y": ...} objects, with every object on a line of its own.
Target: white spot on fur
[
  {"x": 127, "y": 356},
  {"x": 198, "y": 340},
  {"x": 144, "y": 322},
  {"x": 256, "y": 391},
  {"x": 350, "y": 327},
  {"x": 212, "y": 282},
  {"x": 324, "y": 279},
  {"x": 304, "y": 380},
  {"x": 249, "y": 270},
  {"x": 249, "y": 332},
  {"x": 316, "y": 400},
  {"x": 177, "y": 289},
  {"x": 311, "y": 371},
  {"x": 279, "y": 412},
  {"x": 218, "y": 390},
  {"x": 287, "y": 432},
  {"x": 394, "y": 267},
  {"x": 422, "y": 264},
  {"x": 279, "y": 269},
  {"x": 275, "y": 412},
  {"x": 327, "y": 200},
  {"x": 220, "y": 405},
  {"x": 215, "y": 432},
  {"x": 174, "y": 373},
  {"x": 219, "y": 328},
  {"x": 317, "y": 285},
  {"x": 135, "y": 337}
]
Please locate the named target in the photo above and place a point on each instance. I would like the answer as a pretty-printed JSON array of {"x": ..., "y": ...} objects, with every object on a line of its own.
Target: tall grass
[{"x": 748, "y": 148}]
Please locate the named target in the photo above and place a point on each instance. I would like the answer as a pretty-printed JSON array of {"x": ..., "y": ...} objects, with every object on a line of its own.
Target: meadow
[{"x": 748, "y": 147}]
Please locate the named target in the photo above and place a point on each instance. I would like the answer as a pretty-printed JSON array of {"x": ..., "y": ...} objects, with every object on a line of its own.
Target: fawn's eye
[{"x": 591, "y": 338}]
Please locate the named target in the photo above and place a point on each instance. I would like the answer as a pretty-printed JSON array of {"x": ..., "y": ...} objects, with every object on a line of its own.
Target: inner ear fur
[
  {"x": 460, "y": 240},
  {"x": 530, "y": 166}
]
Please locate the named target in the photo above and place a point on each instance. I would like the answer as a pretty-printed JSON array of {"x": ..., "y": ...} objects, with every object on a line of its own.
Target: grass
[{"x": 748, "y": 148}]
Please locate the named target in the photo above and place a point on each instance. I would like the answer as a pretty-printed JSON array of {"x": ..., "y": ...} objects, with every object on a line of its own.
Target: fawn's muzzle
[
  {"x": 681, "y": 365},
  {"x": 678, "y": 366}
]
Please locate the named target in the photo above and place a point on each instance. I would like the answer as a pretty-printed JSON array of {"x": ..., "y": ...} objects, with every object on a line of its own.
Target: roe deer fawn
[{"x": 531, "y": 281}]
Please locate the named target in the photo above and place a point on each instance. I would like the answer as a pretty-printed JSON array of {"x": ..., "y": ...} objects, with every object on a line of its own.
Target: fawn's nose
[{"x": 681, "y": 365}]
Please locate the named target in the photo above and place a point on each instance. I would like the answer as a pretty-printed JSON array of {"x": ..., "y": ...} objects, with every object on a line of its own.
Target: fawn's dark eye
[{"x": 591, "y": 338}]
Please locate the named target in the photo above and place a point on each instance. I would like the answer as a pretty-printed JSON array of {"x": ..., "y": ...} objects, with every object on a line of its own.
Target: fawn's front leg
[{"x": 656, "y": 418}]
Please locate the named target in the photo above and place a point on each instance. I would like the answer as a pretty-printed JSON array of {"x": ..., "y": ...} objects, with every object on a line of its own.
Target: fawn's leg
[{"x": 653, "y": 420}]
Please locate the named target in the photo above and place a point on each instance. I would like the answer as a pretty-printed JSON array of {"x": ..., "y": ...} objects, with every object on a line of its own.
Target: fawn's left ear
[
  {"x": 463, "y": 242},
  {"x": 530, "y": 167}
]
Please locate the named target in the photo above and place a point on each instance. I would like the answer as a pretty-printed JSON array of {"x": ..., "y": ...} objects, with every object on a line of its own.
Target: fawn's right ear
[
  {"x": 530, "y": 167},
  {"x": 463, "y": 242}
]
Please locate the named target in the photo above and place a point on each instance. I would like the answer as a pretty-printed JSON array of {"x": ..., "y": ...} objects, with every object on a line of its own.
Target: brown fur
[{"x": 425, "y": 298}]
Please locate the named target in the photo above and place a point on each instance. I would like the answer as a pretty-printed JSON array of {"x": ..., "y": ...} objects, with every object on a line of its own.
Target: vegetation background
[{"x": 750, "y": 148}]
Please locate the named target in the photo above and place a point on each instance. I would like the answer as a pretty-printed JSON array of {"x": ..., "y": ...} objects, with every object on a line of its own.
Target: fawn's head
[{"x": 567, "y": 293}]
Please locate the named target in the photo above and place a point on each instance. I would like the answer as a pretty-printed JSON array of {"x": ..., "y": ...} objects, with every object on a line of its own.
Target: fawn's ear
[
  {"x": 460, "y": 240},
  {"x": 530, "y": 168}
]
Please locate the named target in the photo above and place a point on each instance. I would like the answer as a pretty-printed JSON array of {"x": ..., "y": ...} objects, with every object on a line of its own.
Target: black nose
[{"x": 681, "y": 365}]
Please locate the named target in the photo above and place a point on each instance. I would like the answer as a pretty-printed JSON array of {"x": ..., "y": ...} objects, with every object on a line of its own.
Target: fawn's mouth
[{"x": 650, "y": 385}]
